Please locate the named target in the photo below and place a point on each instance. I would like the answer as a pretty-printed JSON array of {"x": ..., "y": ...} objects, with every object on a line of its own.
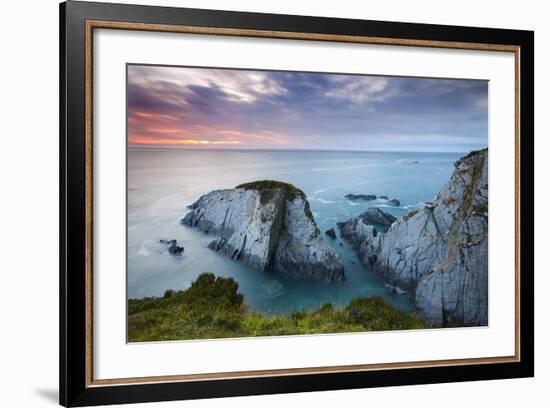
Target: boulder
[
  {"x": 173, "y": 247},
  {"x": 377, "y": 216},
  {"x": 331, "y": 233}
]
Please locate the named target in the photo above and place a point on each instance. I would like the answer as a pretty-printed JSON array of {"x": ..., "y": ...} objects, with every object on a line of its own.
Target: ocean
[{"x": 162, "y": 182}]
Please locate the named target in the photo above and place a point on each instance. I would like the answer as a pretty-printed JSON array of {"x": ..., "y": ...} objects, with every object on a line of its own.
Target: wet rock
[
  {"x": 366, "y": 197},
  {"x": 377, "y": 216},
  {"x": 173, "y": 247},
  {"x": 331, "y": 233}
]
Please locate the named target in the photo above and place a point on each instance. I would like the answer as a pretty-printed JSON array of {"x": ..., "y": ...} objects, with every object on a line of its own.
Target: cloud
[
  {"x": 241, "y": 86},
  {"x": 274, "y": 109},
  {"x": 360, "y": 89}
]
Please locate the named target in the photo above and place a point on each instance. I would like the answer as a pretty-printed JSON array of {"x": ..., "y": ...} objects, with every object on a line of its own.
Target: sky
[{"x": 185, "y": 107}]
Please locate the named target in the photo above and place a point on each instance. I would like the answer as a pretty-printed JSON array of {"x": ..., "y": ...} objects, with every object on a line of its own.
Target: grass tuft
[{"x": 265, "y": 185}]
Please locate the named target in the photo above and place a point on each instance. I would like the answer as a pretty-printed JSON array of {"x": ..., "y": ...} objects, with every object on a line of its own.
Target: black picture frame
[{"x": 75, "y": 389}]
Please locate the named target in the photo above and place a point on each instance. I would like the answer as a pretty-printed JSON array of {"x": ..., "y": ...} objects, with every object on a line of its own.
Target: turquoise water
[{"x": 161, "y": 182}]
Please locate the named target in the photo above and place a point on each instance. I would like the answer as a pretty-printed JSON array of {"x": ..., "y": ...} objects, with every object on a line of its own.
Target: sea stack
[
  {"x": 268, "y": 225},
  {"x": 439, "y": 253}
]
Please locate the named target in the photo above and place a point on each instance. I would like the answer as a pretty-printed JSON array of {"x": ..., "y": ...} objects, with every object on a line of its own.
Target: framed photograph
[{"x": 256, "y": 204}]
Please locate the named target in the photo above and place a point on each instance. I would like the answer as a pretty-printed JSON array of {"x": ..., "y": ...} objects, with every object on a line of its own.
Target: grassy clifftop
[
  {"x": 266, "y": 185},
  {"x": 213, "y": 308}
]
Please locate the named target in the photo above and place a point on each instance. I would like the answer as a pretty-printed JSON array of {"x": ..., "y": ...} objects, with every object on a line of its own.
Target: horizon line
[{"x": 166, "y": 147}]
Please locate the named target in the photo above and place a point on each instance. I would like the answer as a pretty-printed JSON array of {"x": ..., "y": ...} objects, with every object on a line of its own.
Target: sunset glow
[
  {"x": 245, "y": 109},
  {"x": 145, "y": 140}
]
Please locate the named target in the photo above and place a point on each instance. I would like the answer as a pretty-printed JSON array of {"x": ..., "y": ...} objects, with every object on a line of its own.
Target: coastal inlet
[{"x": 163, "y": 182}]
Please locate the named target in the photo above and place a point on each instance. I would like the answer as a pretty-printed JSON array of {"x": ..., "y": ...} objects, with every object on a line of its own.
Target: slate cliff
[
  {"x": 269, "y": 226},
  {"x": 439, "y": 253}
]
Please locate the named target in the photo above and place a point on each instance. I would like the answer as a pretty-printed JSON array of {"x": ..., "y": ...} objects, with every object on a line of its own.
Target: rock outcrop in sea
[
  {"x": 268, "y": 225},
  {"x": 377, "y": 216},
  {"x": 438, "y": 254},
  {"x": 331, "y": 233},
  {"x": 173, "y": 247},
  {"x": 366, "y": 197},
  {"x": 370, "y": 197}
]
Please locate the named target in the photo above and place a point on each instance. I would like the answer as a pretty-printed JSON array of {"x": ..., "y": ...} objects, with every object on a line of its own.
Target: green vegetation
[
  {"x": 474, "y": 153},
  {"x": 213, "y": 308},
  {"x": 266, "y": 185}
]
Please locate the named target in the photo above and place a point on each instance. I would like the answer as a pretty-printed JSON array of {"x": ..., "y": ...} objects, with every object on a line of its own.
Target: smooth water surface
[{"x": 162, "y": 182}]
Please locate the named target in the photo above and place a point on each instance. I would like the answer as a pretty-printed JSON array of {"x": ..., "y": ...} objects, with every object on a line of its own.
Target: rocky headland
[
  {"x": 268, "y": 225},
  {"x": 437, "y": 254}
]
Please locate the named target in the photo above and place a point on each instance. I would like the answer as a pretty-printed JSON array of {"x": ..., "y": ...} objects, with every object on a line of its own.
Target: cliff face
[
  {"x": 438, "y": 254},
  {"x": 269, "y": 228}
]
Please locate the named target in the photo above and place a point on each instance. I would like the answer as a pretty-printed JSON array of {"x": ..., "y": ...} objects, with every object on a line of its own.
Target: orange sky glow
[{"x": 144, "y": 140}]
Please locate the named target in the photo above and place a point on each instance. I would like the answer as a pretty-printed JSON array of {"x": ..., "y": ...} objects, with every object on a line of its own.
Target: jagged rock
[
  {"x": 383, "y": 197},
  {"x": 367, "y": 197},
  {"x": 356, "y": 231},
  {"x": 439, "y": 253},
  {"x": 377, "y": 216},
  {"x": 269, "y": 226},
  {"x": 395, "y": 202},
  {"x": 331, "y": 233},
  {"x": 173, "y": 248}
]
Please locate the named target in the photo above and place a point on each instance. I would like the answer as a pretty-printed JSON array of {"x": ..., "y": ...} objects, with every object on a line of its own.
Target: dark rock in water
[
  {"x": 384, "y": 197},
  {"x": 366, "y": 197},
  {"x": 415, "y": 162},
  {"x": 268, "y": 225},
  {"x": 395, "y": 202},
  {"x": 173, "y": 248},
  {"x": 340, "y": 224},
  {"x": 331, "y": 233},
  {"x": 377, "y": 216},
  {"x": 439, "y": 253},
  {"x": 340, "y": 244}
]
